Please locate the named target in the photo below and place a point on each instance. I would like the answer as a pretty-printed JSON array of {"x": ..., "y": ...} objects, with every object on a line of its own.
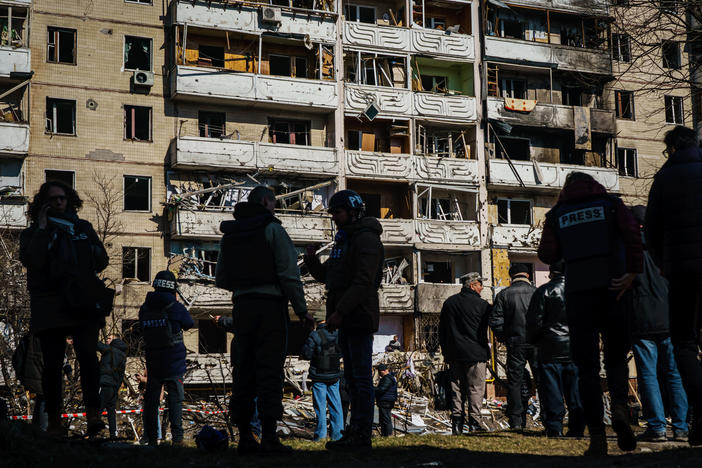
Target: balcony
[
  {"x": 404, "y": 40},
  {"x": 551, "y": 116},
  {"x": 379, "y": 165},
  {"x": 447, "y": 170},
  {"x": 591, "y": 7},
  {"x": 447, "y": 235},
  {"x": 213, "y": 153},
  {"x": 14, "y": 60},
  {"x": 431, "y": 296},
  {"x": 564, "y": 57},
  {"x": 516, "y": 237},
  {"x": 319, "y": 25},
  {"x": 14, "y": 138},
  {"x": 552, "y": 175},
  {"x": 204, "y": 225},
  {"x": 226, "y": 87},
  {"x": 397, "y": 231},
  {"x": 396, "y": 298},
  {"x": 401, "y": 102},
  {"x": 12, "y": 213}
]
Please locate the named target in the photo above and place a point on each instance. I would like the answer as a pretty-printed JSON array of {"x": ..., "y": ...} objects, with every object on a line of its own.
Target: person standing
[
  {"x": 600, "y": 242},
  {"x": 322, "y": 349},
  {"x": 163, "y": 320},
  {"x": 258, "y": 262},
  {"x": 60, "y": 250},
  {"x": 385, "y": 397},
  {"x": 508, "y": 322},
  {"x": 352, "y": 276},
  {"x": 673, "y": 229},
  {"x": 547, "y": 330},
  {"x": 112, "y": 365},
  {"x": 463, "y": 326}
]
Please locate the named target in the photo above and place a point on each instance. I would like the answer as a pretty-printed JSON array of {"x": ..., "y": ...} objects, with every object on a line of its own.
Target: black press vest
[{"x": 248, "y": 258}]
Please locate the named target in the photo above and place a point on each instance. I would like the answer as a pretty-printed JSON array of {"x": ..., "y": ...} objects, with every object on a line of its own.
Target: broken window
[
  {"x": 210, "y": 56},
  {"x": 137, "y": 193},
  {"x": 137, "y": 53},
  {"x": 671, "y": 54},
  {"x": 513, "y": 88},
  {"x": 624, "y": 104},
  {"x": 375, "y": 70},
  {"x": 137, "y": 123},
  {"x": 61, "y": 116},
  {"x": 435, "y": 83},
  {"x": 141, "y": 2},
  {"x": 669, "y": 6},
  {"x": 211, "y": 124},
  {"x": 572, "y": 96},
  {"x": 437, "y": 272},
  {"x": 284, "y": 65},
  {"x": 512, "y": 28},
  {"x": 621, "y": 47},
  {"x": 674, "y": 110},
  {"x": 359, "y": 14},
  {"x": 513, "y": 211},
  {"x": 61, "y": 45},
  {"x": 353, "y": 140},
  {"x": 436, "y": 203},
  {"x": 12, "y": 26},
  {"x": 513, "y": 147},
  {"x": 67, "y": 177},
  {"x": 211, "y": 338},
  {"x": 627, "y": 162},
  {"x": 136, "y": 263},
  {"x": 293, "y": 132}
]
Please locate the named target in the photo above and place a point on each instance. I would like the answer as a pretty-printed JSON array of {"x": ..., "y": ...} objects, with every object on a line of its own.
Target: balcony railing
[
  {"x": 14, "y": 138},
  {"x": 14, "y": 60},
  {"x": 516, "y": 237},
  {"x": 189, "y": 82},
  {"x": 396, "y": 298},
  {"x": 552, "y": 175},
  {"x": 246, "y": 17},
  {"x": 452, "y": 235},
  {"x": 12, "y": 214},
  {"x": 564, "y": 57},
  {"x": 397, "y": 231},
  {"x": 214, "y": 153}
]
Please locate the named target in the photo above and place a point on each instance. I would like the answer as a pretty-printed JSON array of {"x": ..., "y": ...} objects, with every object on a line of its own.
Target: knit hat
[
  {"x": 518, "y": 269},
  {"x": 165, "y": 281}
]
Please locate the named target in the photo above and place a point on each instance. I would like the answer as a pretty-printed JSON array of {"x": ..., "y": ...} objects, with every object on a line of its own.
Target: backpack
[
  {"x": 157, "y": 330},
  {"x": 329, "y": 360}
]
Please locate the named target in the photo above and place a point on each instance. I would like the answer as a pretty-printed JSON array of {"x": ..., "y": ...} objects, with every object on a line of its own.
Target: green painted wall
[{"x": 460, "y": 75}]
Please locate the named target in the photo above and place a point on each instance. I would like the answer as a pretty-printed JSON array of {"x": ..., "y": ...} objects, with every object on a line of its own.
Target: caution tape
[{"x": 126, "y": 411}]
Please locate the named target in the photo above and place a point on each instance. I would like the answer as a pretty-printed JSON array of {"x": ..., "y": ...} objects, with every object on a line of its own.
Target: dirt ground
[{"x": 22, "y": 446}]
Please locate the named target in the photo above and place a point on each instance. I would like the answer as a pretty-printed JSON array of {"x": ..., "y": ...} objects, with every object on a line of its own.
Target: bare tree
[{"x": 106, "y": 200}]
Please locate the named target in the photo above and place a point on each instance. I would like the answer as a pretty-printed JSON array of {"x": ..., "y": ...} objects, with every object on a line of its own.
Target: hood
[
  {"x": 248, "y": 217},
  {"x": 119, "y": 344},
  {"x": 158, "y": 299},
  {"x": 685, "y": 156},
  {"x": 367, "y": 223},
  {"x": 582, "y": 190}
]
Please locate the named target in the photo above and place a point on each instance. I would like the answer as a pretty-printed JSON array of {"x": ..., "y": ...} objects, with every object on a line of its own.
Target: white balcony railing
[
  {"x": 516, "y": 237},
  {"x": 225, "y": 86},
  {"x": 397, "y": 231},
  {"x": 448, "y": 234},
  {"x": 14, "y": 138},
  {"x": 448, "y": 170},
  {"x": 396, "y": 298},
  {"x": 14, "y": 60},
  {"x": 213, "y": 153},
  {"x": 379, "y": 165},
  {"x": 319, "y": 26},
  {"x": 552, "y": 176}
]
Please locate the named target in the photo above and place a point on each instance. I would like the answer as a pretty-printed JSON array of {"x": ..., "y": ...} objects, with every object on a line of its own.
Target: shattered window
[
  {"x": 210, "y": 56},
  {"x": 674, "y": 110},
  {"x": 434, "y": 83},
  {"x": 67, "y": 177},
  {"x": 624, "y": 104},
  {"x": 60, "y": 116},
  {"x": 360, "y": 14},
  {"x": 290, "y": 132},
  {"x": 211, "y": 124},
  {"x": 137, "y": 123},
  {"x": 280, "y": 65},
  {"x": 513, "y": 88},
  {"x": 137, "y": 193},
  {"x": 621, "y": 48},
  {"x": 136, "y": 263},
  {"x": 627, "y": 162},
  {"x": 513, "y": 211},
  {"x": 671, "y": 54},
  {"x": 137, "y": 53},
  {"x": 61, "y": 45}
]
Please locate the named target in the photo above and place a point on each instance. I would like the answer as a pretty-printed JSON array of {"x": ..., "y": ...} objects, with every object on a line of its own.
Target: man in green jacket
[{"x": 258, "y": 262}]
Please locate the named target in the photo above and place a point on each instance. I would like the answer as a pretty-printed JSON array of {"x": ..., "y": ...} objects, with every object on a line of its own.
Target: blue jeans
[
  {"x": 648, "y": 353},
  {"x": 357, "y": 350},
  {"x": 327, "y": 395},
  {"x": 559, "y": 381}
]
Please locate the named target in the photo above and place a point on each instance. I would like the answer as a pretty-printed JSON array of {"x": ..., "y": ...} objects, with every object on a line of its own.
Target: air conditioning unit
[
  {"x": 143, "y": 78},
  {"x": 271, "y": 15}
]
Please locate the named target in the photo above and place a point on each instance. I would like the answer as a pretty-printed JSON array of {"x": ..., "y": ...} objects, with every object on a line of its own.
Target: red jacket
[{"x": 549, "y": 247}]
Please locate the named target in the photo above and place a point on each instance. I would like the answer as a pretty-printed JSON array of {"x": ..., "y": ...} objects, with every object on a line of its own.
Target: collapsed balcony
[
  {"x": 15, "y": 55},
  {"x": 14, "y": 119},
  {"x": 13, "y": 203},
  {"x": 275, "y": 72}
]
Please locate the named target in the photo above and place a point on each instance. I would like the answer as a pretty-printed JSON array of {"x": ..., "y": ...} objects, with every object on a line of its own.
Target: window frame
[
  {"x": 291, "y": 133},
  {"x": 56, "y": 30},
  {"x": 136, "y": 263},
  {"x": 636, "y": 162},
  {"x": 674, "y": 99},
  {"x": 358, "y": 7},
  {"x": 665, "y": 65},
  {"x": 618, "y": 106},
  {"x": 74, "y": 117},
  {"x": 140, "y": 2},
  {"x": 151, "y": 123},
  {"x": 151, "y": 53},
  {"x": 206, "y": 129},
  {"x": 124, "y": 193},
  {"x": 618, "y": 43},
  {"x": 509, "y": 211},
  {"x": 73, "y": 173},
  {"x": 512, "y": 81}
]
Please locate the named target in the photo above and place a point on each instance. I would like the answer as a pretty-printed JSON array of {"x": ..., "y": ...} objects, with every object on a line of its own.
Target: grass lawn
[{"x": 21, "y": 445}]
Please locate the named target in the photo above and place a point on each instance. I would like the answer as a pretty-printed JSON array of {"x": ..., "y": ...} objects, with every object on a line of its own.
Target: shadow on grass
[{"x": 21, "y": 445}]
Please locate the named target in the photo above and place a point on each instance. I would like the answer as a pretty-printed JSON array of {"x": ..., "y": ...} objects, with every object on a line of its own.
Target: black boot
[
  {"x": 350, "y": 440},
  {"x": 457, "y": 425},
  {"x": 247, "y": 442},
  {"x": 270, "y": 443}
]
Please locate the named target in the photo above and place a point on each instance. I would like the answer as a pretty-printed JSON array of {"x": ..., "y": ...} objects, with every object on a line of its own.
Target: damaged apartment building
[{"x": 457, "y": 121}]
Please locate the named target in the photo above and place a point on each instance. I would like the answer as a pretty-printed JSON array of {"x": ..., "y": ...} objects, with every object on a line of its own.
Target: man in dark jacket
[
  {"x": 463, "y": 325},
  {"x": 163, "y": 320},
  {"x": 112, "y": 364},
  {"x": 547, "y": 330},
  {"x": 673, "y": 230},
  {"x": 352, "y": 276},
  {"x": 600, "y": 242},
  {"x": 653, "y": 351},
  {"x": 508, "y": 322},
  {"x": 258, "y": 262},
  {"x": 322, "y": 349},
  {"x": 385, "y": 397}
]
